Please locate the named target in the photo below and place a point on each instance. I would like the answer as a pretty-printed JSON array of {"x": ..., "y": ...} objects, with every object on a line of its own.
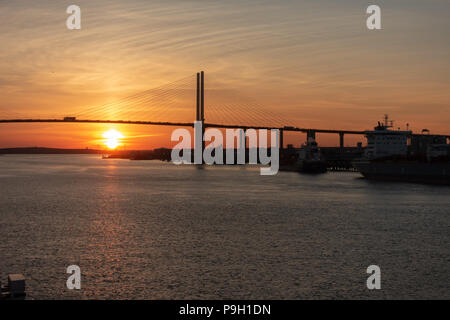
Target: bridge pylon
[{"x": 200, "y": 112}]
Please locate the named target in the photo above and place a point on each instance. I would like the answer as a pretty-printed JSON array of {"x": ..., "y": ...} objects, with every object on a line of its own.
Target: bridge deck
[
  {"x": 190, "y": 124},
  {"x": 178, "y": 124}
]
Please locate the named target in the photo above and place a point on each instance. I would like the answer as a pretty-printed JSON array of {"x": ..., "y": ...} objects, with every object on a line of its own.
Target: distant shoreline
[
  {"x": 156, "y": 154},
  {"x": 42, "y": 150}
]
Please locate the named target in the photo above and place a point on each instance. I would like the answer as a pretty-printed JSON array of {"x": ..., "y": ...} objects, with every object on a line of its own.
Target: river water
[{"x": 153, "y": 230}]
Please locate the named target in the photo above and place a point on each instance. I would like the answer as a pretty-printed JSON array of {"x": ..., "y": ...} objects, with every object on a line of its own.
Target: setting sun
[{"x": 112, "y": 138}]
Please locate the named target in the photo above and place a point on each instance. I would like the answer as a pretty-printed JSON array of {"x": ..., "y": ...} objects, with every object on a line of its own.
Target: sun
[{"x": 112, "y": 138}]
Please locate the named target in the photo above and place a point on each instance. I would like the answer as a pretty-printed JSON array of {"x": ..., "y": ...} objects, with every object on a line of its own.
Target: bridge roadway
[
  {"x": 179, "y": 124},
  {"x": 191, "y": 124}
]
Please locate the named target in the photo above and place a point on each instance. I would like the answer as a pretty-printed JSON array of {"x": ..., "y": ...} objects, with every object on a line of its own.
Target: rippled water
[{"x": 151, "y": 230}]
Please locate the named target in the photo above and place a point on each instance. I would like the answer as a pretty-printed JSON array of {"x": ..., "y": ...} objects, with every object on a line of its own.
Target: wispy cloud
[{"x": 305, "y": 59}]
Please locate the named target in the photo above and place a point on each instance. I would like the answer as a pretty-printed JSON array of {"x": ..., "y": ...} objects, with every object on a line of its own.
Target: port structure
[{"x": 200, "y": 116}]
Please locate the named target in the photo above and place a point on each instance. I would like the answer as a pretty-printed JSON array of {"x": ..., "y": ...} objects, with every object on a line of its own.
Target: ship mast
[{"x": 388, "y": 123}]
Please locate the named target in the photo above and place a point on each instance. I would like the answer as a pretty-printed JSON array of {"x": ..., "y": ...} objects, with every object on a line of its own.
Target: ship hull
[{"x": 435, "y": 173}]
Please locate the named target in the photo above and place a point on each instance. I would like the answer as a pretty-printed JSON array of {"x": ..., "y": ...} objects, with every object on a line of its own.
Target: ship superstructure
[
  {"x": 384, "y": 142},
  {"x": 310, "y": 158}
]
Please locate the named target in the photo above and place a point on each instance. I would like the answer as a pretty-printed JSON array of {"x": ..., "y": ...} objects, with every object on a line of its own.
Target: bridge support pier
[
  {"x": 281, "y": 139},
  {"x": 310, "y": 134},
  {"x": 341, "y": 140}
]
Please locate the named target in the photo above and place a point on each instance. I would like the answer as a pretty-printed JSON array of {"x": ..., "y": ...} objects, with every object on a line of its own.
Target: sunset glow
[
  {"x": 239, "y": 151},
  {"x": 313, "y": 63},
  {"x": 113, "y": 139}
]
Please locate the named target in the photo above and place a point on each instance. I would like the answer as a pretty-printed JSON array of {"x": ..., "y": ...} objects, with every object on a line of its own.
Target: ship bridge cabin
[{"x": 384, "y": 142}]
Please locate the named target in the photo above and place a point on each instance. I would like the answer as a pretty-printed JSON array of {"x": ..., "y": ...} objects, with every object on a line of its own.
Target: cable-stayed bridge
[{"x": 172, "y": 104}]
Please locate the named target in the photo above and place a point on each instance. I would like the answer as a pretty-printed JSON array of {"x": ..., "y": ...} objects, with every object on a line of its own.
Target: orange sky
[{"x": 313, "y": 63}]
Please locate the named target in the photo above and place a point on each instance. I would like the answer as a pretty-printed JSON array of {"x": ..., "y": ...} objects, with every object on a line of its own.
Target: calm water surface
[{"x": 152, "y": 230}]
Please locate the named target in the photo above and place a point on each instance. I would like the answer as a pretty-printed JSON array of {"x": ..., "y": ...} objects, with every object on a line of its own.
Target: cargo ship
[{"x": 397, "y": 155}]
